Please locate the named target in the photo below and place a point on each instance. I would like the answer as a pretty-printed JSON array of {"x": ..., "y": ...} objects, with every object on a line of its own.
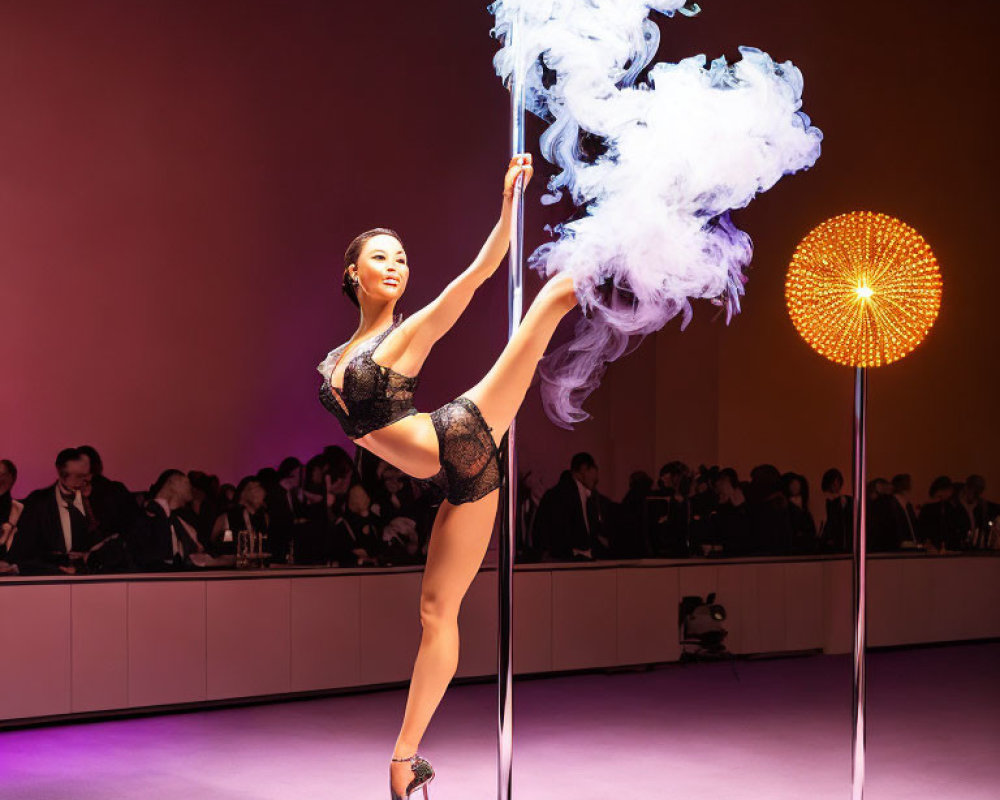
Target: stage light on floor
[{"x": 863, "y": 289}]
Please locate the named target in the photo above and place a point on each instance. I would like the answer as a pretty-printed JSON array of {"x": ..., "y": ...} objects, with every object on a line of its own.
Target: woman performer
[{"x": 368, "y": 385}]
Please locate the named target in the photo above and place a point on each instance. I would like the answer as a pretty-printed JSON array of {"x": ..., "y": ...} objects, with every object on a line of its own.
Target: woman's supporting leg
[
  {"x": 461, "y": 533},
  {"x": 501, "y": 391},
  {"x": 459, "y": 538}
]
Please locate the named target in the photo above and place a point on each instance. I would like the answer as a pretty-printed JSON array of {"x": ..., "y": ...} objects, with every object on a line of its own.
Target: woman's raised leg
[
  {"x": 459, "y": 538},
  {"x": 501, "y": 391}
]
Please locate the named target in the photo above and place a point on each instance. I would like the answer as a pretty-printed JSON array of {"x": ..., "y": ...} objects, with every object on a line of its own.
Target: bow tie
[{"x": 69, "y": 498}]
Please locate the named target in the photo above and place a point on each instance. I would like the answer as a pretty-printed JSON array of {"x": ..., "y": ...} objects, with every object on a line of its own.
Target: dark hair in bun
[{"x": 351, "y": 256}]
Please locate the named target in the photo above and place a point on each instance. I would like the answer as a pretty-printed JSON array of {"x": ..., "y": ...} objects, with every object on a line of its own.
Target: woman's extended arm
[{"x": 436, "y": 318}]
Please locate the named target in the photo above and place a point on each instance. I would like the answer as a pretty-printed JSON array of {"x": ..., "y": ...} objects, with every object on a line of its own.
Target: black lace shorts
[{"x": 472, "y": 465}]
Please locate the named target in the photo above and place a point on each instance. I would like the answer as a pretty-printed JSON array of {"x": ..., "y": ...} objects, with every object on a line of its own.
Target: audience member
[
  {"x": 796, "y": 491},
  {"x": 160, "y": 538},
  {"x": 12, "y": 549},
  {"x": 339, "y": 464},
  {"x": 312, "y": 538},
  {"x": 287, "y": 507},
  {"x": 401, "y": 543},
  {"x": 358, "y": 533},
  {"x": 58, "y": 523},
  {"x": 112, "y": 502},
  {"x": 248, "y": 514},
  {"x": 730, "y": 519},
  {"x": 205, "y": 505},
  {"x": 633, "y": 534},
  {"x": 669, "y": 512},
  {"x": 702, "y": 503},
  {"x": 767, "y": 506},
  {"x": 530, "y": 490},
  {"x": 393, "y": 495},
  {"x": 878, "y": 527},
  {"x": 877, "y": 488},
  {"x": 574, "y": 521},
  {"x": 404, "y": 510},
  {"x": 940, "y": 521},
  {"x": 837, "y": 532},
  {"x": 980, "y": 514},
  {"x": 904, "y": 518}
]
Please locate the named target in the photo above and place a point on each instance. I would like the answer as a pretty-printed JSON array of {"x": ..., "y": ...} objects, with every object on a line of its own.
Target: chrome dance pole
[
  {"x": 508, "y": 525},
  {"x": 860, "y": 633}
]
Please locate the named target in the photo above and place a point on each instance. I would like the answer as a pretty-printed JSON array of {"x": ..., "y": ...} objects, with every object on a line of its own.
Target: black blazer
[
  {"x": 41, "y": 526},
  {"x": 352, "y": 531},
  {"x": 387, "y": 510},
  {"x": 669, "y": 521},
  {"x": 889, "y": 524},
  {"x": 903, "y": 521},
  {"x": 837, "y": 533},
  {"x": 150, "y": 542},
  {"x": 940, "y": 522},
  {"x": 113, "y": 505},
  {"x": 560, "y": 525}
]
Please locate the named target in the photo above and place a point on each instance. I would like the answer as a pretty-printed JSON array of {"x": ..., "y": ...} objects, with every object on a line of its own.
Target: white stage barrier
[{"x": 85, "y": 645}]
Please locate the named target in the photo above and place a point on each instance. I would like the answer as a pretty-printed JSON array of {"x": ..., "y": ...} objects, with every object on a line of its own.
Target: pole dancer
[
  {"x": 368, "y": 385},
  {"x": 673, "y": 155}
]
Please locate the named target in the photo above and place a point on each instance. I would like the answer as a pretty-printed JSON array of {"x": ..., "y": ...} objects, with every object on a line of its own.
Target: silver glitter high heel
[{"x": 423, "y": 773}]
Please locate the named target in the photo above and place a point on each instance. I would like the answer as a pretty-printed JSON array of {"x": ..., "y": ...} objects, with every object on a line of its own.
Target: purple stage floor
[{"x": 694, "y": 731}]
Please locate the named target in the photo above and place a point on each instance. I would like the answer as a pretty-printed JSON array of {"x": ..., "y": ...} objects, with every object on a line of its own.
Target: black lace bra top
[{"x": 373, "y": 396}]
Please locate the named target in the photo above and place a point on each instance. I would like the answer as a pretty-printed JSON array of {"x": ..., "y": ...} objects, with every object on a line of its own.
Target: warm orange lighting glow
[{"x": 863, "y": 289}]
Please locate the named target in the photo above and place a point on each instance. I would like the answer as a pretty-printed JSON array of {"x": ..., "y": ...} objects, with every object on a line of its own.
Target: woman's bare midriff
[{"x": 409, "y": 443}]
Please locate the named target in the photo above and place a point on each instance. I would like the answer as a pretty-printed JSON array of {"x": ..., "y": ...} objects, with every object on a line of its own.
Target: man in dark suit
[
  {"x": 112, "y": 502},
  {"x": 633, "y": 530},
  {"x": 837, "y": 533},
  {"x": 574, "y": 521},
  {"x": 160, "y": 538},
  {"x": 771, "y": 531},
  {"x": 940, "y": 521},
  {"x": 669, "y": 512},
  {"x": 979, "y": 513},
  {"x": 285, "y": 506},
  {"x": 879, "y": 532},
  {"x": 904, "y": 518},
  {"x": 58, "y": 522}
]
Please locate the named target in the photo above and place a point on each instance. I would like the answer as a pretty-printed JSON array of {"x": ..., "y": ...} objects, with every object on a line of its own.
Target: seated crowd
[
  {"x": 712, "y": 511},
  {"x": 336, "y": 511}
]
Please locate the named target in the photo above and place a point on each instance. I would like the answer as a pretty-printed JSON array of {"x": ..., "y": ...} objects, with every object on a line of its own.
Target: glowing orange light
[{"x": 863, "y": 289}]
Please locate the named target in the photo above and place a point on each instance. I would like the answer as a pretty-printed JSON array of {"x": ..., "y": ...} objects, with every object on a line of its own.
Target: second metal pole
[{"x": 858, "y": 732}]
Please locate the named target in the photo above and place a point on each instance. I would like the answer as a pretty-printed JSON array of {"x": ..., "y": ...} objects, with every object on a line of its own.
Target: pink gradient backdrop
[{"x": 180, "y": 180}]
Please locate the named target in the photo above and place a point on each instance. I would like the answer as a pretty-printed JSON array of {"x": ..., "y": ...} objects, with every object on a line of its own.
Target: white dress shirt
[
  {"x": 909, "y": 522},
  {"x": 67, "y": 524},
  {"x": 175, "y": 543},
  {"x": 584, "y": 495}
]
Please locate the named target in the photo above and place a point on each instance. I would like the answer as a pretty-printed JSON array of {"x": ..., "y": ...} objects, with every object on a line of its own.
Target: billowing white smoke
[{"x": 656, "y": 166}]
